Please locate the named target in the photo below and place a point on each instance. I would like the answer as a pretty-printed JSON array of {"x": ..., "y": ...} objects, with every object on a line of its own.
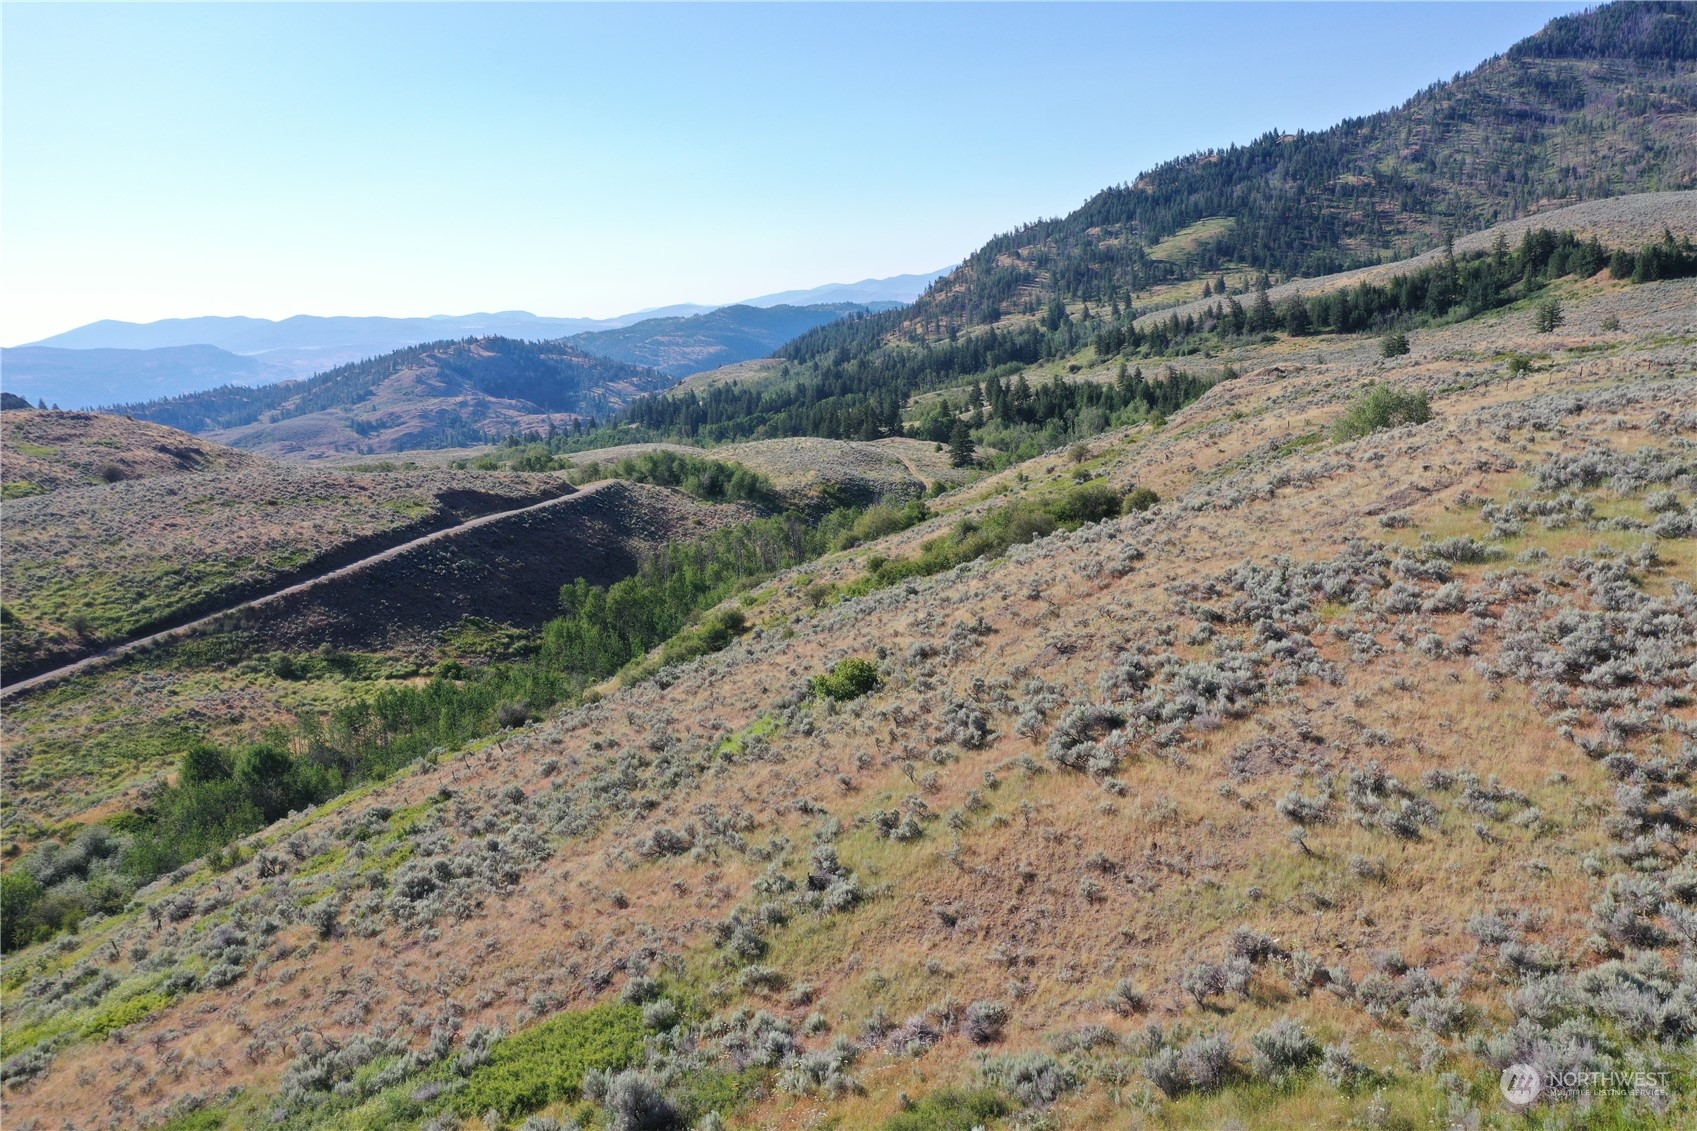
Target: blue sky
[{"x": 165, "y": 161}]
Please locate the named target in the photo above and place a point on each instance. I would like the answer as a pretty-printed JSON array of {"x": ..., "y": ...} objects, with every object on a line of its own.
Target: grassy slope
[
  {"x": 47, "y": 451},
  {"x": 1045, "y": 888},
  {"x": 100, "y": 563}
]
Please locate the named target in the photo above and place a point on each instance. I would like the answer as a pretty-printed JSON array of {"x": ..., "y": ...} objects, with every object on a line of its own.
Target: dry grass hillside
[
  {"x": 805, "y": 467},
  {"x": 1314, "y": 796},
  {"x": 92, "y": 565},
  {"x": 76, "y": 750},
  {"x": 47, "y": 450},
  {"x": 747, "y": 372}
]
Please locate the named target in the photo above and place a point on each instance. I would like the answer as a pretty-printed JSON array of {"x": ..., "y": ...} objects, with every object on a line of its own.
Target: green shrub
[
  {"x": 710, "y": 479},
  {"x": 716, "y": 631},
  {"x": 1139, "y": 499},
  {"x": 882, "y": 519},
  {"x": 1393, "y": 344},
  {"x": 1089, "y": 502},
  {"x": 546, "y": 1062},
  {"x": 850, "y": 679},
  {"x": 19, "y": 897},
  {"x": 950, "y": 1110},
  {"x": 125, "y": 1013},
  {"x": 1382, "y": 406}
]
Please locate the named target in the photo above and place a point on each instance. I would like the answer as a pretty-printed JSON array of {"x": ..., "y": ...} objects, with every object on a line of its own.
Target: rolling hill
[
  {"x": 437, "y": 395},
  {"x": 50, "y": 451}
]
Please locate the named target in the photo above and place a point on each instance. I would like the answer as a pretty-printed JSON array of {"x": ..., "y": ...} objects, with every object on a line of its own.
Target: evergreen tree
[
  {"x": 1296, "y": 316},
  {"x": 961, "y": 448},
  {"x": 1261, "y": 313}
]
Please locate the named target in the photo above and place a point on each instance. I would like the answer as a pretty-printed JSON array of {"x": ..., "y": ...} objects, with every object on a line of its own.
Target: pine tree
[
  {"x": 1296, "y": 316},
  {"x": 1548, "y": 316},
  {"x": 1261, "y": 314},
  {"x": 961, "y": 447}
]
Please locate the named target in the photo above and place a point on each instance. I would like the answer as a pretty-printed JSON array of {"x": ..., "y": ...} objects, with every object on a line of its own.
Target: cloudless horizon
[{"x": 585, "y": 160}]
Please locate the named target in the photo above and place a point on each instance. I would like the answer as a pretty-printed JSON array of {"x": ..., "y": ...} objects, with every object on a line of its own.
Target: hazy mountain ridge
[
  {"x": 112, "y": 362},
  {"x": 76, "y": 378},
  {"x": 681, "y": 346}
]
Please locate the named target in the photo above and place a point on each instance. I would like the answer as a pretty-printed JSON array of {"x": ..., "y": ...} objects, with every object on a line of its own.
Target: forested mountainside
[
  {"x": 681, "y": 346},
  {"x": 1595, "y": 105},
  {"x": 1598, "y": 104}
]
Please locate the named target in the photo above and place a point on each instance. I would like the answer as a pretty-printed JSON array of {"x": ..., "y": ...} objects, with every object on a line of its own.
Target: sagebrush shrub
[{"x": 1282, "y": 1050}]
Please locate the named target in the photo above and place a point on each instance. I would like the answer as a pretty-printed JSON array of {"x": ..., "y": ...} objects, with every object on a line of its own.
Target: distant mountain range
[
  {"x": 899, "y": 289},
  {"x": 679, "y": 347},
  {"x": 83, "y": 378},
  {"x": 441, "y": 394},
  {"x": 465, "y": 391},
  {"x": 110, "y": 361}
]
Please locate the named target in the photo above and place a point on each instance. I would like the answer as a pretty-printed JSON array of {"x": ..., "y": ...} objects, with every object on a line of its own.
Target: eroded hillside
[{"x": 1347, "y": 775}]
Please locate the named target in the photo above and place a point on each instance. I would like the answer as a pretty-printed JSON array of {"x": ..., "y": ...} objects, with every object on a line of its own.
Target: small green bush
[
  {"x": 1382, "y": 406},
  {"x": 950, "y": 1110},
  {"x": 850, "y": 679},
  {"x": 1139, "y": 499},
  {"x": 1089, "y": 502},
  {"x": 1547, "y": 316},
  {"x": 1393, "y": 345},
  {"x": 882, "y": 519},
  {"x": 546, "y": 1062},
  {"x": 125, "y": 1013}
]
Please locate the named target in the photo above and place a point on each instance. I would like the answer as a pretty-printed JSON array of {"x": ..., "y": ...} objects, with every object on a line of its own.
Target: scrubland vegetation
[
  {"x": 931, "y": 725},
  {"x": 1294, "y": 726}
]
